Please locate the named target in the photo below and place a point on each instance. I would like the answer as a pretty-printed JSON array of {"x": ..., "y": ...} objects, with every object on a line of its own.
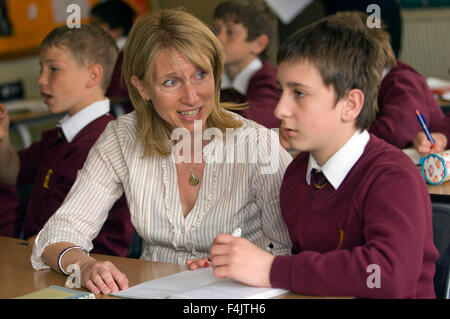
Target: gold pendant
[{"x": 193, "y": 180}]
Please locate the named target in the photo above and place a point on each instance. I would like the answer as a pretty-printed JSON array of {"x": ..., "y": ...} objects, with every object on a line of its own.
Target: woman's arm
[{"x": 98, "y": 277}]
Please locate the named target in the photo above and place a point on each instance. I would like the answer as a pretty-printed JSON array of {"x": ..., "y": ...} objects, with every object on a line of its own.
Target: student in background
[
  {"x": 245, "y": 28},
  {"x": 441, "y": 136},
  {"x": 116, "y": 17},
  {"x": 76, "y": 65},
  {"x": 403, "y": 90},
  {"x": 357, "y": 210}
]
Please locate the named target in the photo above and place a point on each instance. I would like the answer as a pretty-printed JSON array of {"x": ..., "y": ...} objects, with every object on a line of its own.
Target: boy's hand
[
  {"x": 424, "y": 147},
  {"x": 241, "y": 260},
  {"x": 4, "y": 123},
  {"x": 198, "y": 263}
]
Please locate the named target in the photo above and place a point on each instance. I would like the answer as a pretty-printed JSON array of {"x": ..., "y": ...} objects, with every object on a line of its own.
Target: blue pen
[{"x": 424, "y": 126}]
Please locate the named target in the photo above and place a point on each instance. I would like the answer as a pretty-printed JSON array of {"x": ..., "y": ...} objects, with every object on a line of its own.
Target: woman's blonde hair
[{"x": 176, "y": 30}]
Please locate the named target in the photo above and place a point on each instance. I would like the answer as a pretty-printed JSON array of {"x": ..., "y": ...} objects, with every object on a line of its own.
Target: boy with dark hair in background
[{"x": 245, "y": 29}]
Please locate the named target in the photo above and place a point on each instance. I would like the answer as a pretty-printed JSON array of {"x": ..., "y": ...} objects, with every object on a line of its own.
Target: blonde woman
[{"x": 180, "y": 198}]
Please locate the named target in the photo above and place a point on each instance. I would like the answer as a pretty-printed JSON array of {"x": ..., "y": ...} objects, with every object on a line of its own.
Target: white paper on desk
[
  {"x": 287, "y": 10},
  {"x": 412, "y": 154},
  {"x": 196, "y": 284}
]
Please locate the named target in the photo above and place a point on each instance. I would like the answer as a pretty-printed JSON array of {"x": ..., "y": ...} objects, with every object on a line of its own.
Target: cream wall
[{"x": 25, "y": 69}]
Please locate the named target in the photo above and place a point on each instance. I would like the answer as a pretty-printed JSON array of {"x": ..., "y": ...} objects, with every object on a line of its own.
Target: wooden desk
[{"x": 19, "y": 278}]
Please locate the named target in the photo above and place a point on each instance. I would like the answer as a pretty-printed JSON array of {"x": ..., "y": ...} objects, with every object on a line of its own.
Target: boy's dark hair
[
  {"x": 88, "y": 45},
  {"x": 346, "y": 56},
  {"x": 115, "y": 13},
  {"x": 255, "y": 15}
]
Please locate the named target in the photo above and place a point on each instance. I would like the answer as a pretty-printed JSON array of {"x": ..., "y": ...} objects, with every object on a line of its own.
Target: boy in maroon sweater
[
  {"x": 357, "y": 210},
  {"x": 403, "y": 90},
  {"x": 245, "y": 29},
  {"x": 76, "y": 65}
]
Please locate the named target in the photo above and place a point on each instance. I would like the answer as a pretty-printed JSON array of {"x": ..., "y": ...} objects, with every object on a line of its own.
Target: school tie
[{"x": 318, "y": 180}]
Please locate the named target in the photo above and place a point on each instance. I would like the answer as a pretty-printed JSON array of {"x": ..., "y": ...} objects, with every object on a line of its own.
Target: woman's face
[{"x": 181, "y": 93}]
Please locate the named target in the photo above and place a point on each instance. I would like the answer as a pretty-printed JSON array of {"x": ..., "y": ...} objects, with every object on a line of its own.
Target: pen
[
  {"x": 424, "y": 126},
  {"x": 237, "y": 232}
]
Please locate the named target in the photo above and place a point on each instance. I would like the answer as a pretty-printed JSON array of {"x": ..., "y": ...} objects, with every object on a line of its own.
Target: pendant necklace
[{"x": 193, "y": 179}]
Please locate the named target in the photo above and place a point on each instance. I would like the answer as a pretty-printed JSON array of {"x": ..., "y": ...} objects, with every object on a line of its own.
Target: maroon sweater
[
  {"x": 117, "y": 89},
  {"x": 380, "y": 214},
  {"x": 262, "y": 97},
  {"x": 10, "y": 216},
  {"x": 51, "y": 165},
  {"x": 402, "y": 92}
]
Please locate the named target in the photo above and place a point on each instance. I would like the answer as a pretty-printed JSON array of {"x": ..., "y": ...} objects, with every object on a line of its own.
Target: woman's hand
[
  {"x": 101, "y": 277},
  {"x": 241, "y": 260},
  {"x": 424, "y": 147},
  {"x": 198, "y": 263}
]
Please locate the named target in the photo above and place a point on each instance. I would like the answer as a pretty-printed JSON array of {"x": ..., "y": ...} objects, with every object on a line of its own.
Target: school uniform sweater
[
  {"x": 52, "y": 165},
  {"x": 10, "y": 217},
  {"x": 403, "y": 91},
  {"x": 380, "y": 215},
  {"x": 261, "y": 95}
]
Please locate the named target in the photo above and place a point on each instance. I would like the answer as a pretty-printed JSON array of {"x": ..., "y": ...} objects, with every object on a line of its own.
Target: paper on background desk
[
  {"x": 34, "y": 105},
  {"x": 196, "y": 284}
]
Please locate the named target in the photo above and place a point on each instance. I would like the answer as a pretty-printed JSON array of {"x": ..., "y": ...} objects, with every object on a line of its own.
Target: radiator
[{"x": 426, "y": 41}]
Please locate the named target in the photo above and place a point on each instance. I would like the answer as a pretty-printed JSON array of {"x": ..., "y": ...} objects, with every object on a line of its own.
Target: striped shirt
[{"x": 243, "y": 194}]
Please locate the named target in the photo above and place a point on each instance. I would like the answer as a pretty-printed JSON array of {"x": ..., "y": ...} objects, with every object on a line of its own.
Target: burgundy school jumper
[
  {"x": 380, "y": 215},
  {"x": 52, "y": 165},
  {"x": 117, "y": 89},
  {"x": 403, "y": 91},
  {"x": 443, "y": 126},
  {"x": 10, "y": 217},
  {"x": 262, "y": 97}
]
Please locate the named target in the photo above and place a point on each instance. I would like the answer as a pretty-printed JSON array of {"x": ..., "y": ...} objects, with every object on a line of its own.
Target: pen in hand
[
  {"x": 424, "y": 126},
  {"x": 237, "y": 232}
]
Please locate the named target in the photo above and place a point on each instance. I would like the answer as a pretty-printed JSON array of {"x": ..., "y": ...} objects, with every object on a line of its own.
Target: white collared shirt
[
  {"x": 72, "y": 125},
  {"x": 340, "y": 164},
  {"x": 121, "y": 42},
  {"x": 240, "y": 82}
]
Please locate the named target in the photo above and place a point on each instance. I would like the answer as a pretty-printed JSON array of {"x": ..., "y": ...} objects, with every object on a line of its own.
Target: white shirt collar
[
  {"x": 385, "y": 72},
  {"x": 340, "y": 164},
  {"x": 121, "y": 42},
  {"x": 240, "y": 82},
  {"x": 72, "y": 125}
]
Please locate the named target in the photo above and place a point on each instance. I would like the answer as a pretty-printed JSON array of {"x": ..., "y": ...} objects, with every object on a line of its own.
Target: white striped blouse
[{"x": 242, "y": 194}]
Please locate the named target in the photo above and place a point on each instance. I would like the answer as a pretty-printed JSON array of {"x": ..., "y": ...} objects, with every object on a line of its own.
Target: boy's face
[
  {"x": 310, "y": 117},
  {"x": 233, "y": 36},
  {"x": 63, "y": 83}
]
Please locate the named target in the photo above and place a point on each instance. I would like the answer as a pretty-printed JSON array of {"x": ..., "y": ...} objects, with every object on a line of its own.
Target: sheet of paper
[
  {"x": 197, "y": 284},
  {"x": 287, "y": 10},
  {"x": 412, "y": 154}
]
